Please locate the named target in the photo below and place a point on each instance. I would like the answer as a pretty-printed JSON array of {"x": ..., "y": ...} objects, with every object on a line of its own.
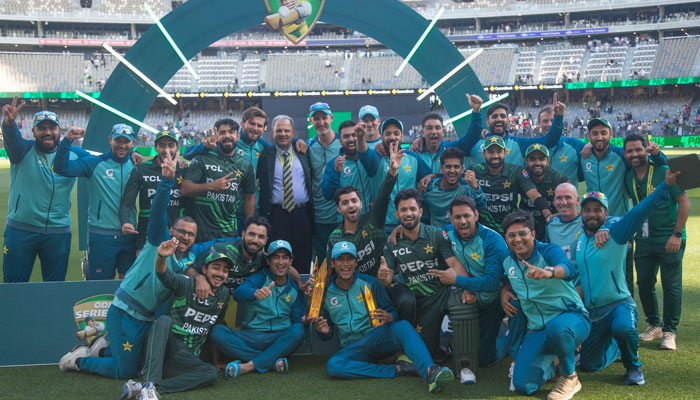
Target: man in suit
[{"x": 284, "y": 183}]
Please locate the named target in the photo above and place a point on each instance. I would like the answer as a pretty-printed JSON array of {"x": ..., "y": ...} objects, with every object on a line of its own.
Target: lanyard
[
  {"x": 650, "y": 174},
  {"x": 291, "y": 157}
]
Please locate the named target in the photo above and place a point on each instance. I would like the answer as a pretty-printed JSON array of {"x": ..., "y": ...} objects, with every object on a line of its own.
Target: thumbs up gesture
[
  {"x": 264, "y": 292},
  {"x": 537, "y": 273},
  {"x": 384, "y": 273}
]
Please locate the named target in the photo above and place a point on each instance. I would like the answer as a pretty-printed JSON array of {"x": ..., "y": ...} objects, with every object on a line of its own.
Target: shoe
[
  {"x": 97, "y": 346},
  {"x": 651, "y": 333},
  {"x": 438, "y": 378},
  {"x": 565, "y": 388},
  {"x": 467, "y": 377},
  {"x": 668, "y": 341},
  {"x": 131, "y": 389},
  {"x": 634, "y": 377},
  {"x": 510, "y": 376},
  {"x": 69, "y": 362},
  {"x": 148, "y": 392},
  {"x": 405, "y": 367}
]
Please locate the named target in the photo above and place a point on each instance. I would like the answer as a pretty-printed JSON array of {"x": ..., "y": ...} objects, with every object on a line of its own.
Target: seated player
[
  {"x": 172, "y": 356},
  {"x": 271, "y": 327},
  {"x": 361, "y": 342},
  {"x": 540, "y": 275}
]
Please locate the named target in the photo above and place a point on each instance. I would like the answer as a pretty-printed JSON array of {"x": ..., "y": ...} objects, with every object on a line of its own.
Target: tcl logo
[{"x": 216, "y": 168}]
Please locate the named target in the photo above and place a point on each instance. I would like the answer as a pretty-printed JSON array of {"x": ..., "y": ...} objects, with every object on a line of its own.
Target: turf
[{"x": 668, "y": 374}]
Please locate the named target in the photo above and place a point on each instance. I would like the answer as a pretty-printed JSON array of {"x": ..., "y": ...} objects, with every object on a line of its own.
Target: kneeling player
[
  {"x": 172, "y": 356},
  {"x": 362, "y": 343},
  {"x": 271, "y": 327}
]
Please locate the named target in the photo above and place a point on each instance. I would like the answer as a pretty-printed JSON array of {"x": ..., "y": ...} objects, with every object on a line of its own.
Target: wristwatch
[
  {"x": 678, "y": 234},
  {"x": 550, "y": 269}
]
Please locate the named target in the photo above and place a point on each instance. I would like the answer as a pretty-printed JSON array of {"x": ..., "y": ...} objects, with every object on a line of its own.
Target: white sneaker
[
  {"x": 510, "y": 375},
  {"x": 651, "y": 333},
  {"x": 565, "y": 388},
  {"x": 148, "y": 392},
  {"x": 69, "y": 362},
  {"x": 668, "y": 341},
  {"x": 131, "y": 389},
  {"x": 467, "y": 377},
  {"x": 97, "y": 345}
]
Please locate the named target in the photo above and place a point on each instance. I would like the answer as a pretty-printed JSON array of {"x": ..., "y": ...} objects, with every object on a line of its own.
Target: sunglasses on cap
[{"x": 595, "y": 195}]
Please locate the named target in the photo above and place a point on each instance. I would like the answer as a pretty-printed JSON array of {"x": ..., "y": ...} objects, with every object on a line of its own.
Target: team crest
[
  {"x": 334, "y": 301},
  {"x": 588, "y": 166},
  {"x": 511, "y": 271},
  {"x": 294, "y": 18},
  {"x": 525, "y": 174},
  {"x": 90, "y": 315},
  {"x": 241, "y": 152}
]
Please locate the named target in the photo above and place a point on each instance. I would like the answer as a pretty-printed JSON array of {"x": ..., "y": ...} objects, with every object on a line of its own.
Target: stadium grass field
[{"x": 669, "y": 374}]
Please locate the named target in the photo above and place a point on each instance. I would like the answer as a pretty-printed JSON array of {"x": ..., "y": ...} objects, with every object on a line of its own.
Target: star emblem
[
  {"x": 257, "y": 154},
  {"x": 419, "y": 329},
  {"x": 536, "y": 146},
  {"x": 550, "y": 192},
  {"x": 494, "y": 139},
  {"x": 563, "y": 158},
  {"x": 4, "y": 250},
  {"x": 507, "y": 150},
  {"x": 127, "y": 346},
  {"x": 506, "y": 184},
  {"x": 407, "y": 168},
  {"x": 475, "y": 256},
  {"x": 609, "y": 167},
  {"x": 364, "y": 234},
  {"x": 288, "y": 298},
  {"x": 428, "y": 249},
  {"x": 220, "y": 305},
  {"x": 239, "y": 172},
  {"x": 180, "y": 179},
  {"x": 360, "y": 299},
  {"x": 651, "y": 188},
  {"x": 578, "y": 234}
]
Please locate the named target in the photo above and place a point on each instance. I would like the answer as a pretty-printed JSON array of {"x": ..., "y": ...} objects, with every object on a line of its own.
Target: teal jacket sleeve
[
  {"x": 370, "y": 159},
  {"x": 81, "y": 167},
  {"x": 495, "y": 251},
  {"x": 554, "y": 256},
  {"x": 551, "y": 139},
  {"x": 331, "y": 181},
  {"x": 15, "y": 145},
  {"x": 157, "y": 231},
  {"x": 246, "y": 291}
]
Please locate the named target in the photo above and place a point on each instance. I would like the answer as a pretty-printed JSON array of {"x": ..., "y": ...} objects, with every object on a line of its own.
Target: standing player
[
  {"x": 370, "y": 116},
  {"x": 217, "y": 180},
  {"x": 566, "y": 154},
  {"x": 430, "y": 145}
]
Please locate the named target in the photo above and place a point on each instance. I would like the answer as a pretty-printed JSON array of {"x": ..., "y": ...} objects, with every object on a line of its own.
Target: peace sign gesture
[
  {"x": 10, "y": 111},
  {"x": 559, "y": 107},
  {"x": 168, "y": 166}
]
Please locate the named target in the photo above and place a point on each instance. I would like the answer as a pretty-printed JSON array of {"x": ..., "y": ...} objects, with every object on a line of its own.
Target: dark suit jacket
[{"x": 266, "y": 178}]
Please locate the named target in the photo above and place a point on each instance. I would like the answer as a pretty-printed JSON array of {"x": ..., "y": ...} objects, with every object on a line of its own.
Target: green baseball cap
[
  {"x": 599, "y": 121},
  {"x": 537, "y": 147},
  {"x": 218, "y": 256},
  {"x": 494, "y": 140},
  {"x": 165, "y": 134}
]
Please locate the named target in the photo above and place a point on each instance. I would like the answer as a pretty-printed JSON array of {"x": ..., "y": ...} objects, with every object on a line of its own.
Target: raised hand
[
  {"x": 384, "y": 273},
  {"x": 264, "y": 292},
  {"x": 470, "y": 178},
  {"x": 221, "y": 183},
  {"x": 396, "y": 153},
  {"x": 475, "y": 102},
  {"x": 360, "y": 129},
  {"x": 653, "y": 149},
  {"x": 339, "y": 163},
  {"x": 167, "y": 248},
  {"x": 75, "y": 133},
  {"x": 559, "y": 107},
  {"x": 537, "y": 273},
  {"x": 168, "y": 166},
  {"x": 210, "y": 143},
  {"x": 10, "y": 111},
  {"x": 671, "y": 177}
]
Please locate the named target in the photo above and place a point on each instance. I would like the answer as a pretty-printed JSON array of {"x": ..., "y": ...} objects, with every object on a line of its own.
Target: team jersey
[
  {"x": 501, "y": 192},
  {"x": 353, "y": 174},
  {"x": 241, "y": 268},
  {"x": 566, "y": 158},
  {"x": 412, "y": 169},
  {"x": 370, "y": 236},
  {"x": 284, "y": 307},
  {"x": 438, "y": 200},
  {"x": 661, "y": 223},
  {"x": 346, "y": 310},
  {"x": 107, "y": 176},
  {"x": 552, "y": 178},
  {"x": 515, "y": 145},
  {"x": 411, "y": 259},
  {"x": 564, "y": 234},
  {"x": 324, "y": 210},
  {"x": 39, "y": 199},
  {"x": 192, "y": 318},
  {"x": 602, "y": 270},
  {"x": 544, "y": 299},
  {"x": 482, "y": 257},
  {"x": 143, "y": 183},
  {"x": 215, "y": 211}
]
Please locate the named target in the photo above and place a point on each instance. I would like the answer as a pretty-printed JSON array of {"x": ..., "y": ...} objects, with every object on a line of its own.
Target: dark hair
[
  {"x": 259, "y": 221},
  {"x": 518, "y": 217},
  {"x": 546, "y": 109},
  {"x": 633, "y": 137},
  {"x": 185, "y": 218},
  {"x": 227, "y": 121},
  {"x": 431, "y": 115},
  {"x": 411, "y": 193},
  {"x": 346, "y": 124},
  {"x": 346, "y": 190},
  {"x": 253, "y": 112},
  {"x": 463, "y": 201},
  {"x": 496, "y": 106},
  {"x": 451, "y": 152}
]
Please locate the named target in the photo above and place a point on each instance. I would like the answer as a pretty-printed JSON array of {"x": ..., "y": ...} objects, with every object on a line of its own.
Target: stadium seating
[
  {"x": 675, "y": 57},
  {"x": 493, "y": 65},
  {"x": 606, "y": 64},
  {"x": 37, "y": 72},
  {"x": 558, "y": 61}
]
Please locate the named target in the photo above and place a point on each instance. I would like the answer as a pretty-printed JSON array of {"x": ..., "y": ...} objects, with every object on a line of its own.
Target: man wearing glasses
[
  {"x": 38, "y": 222},
  {"x": 109, "y": 251}
]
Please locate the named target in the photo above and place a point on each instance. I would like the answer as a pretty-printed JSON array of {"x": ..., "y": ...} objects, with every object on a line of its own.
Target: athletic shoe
[
  {"x": 668, "y": 341},
  {"x": 467, "y": 377},
  {"x": 438, "y": 378},
  {"x": 651, "y": 333},
  {"x": 565, "y": 388},
  {"x": 131, "y": 389},
  {"x": 69, "y": 362},
  {"x": 405, "y": 367},
  {"x": 634, "y": 377},
  {"x": 510, "y": 376},
  {"x": 96, "y": 346},
  {"x": 148, "y": 392}
]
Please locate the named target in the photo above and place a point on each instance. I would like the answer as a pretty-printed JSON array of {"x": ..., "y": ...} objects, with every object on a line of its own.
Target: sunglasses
[
  {"x": 320, "y": 106},
  {"x": 45, "y": 116},
  {"x": 594, "y": 195}
]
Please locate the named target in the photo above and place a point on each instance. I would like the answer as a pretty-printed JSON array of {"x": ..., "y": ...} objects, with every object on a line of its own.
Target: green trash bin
[{"x": 465, "y": 338}]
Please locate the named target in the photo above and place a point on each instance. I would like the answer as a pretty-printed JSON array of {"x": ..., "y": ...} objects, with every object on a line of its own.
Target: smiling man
[{"x": 110, "y": 251}]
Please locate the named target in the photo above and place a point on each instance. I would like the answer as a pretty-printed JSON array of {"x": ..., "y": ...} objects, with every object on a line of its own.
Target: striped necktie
[{"x": 287, "y": 188}]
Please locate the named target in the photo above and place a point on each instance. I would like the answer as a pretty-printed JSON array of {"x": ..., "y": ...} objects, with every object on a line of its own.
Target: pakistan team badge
[
  {"x": 90, "y": 315},
  {"x": 294, "y": 18}
]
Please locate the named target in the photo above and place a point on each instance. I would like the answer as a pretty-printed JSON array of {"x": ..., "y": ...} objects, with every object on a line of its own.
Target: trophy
[
  {"x": 319, "y": 290},
  {"x": 369, "y": 302}
]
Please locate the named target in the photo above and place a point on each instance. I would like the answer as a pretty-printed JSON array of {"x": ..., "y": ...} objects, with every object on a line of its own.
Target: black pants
[{"x": 296, "y": 227}]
